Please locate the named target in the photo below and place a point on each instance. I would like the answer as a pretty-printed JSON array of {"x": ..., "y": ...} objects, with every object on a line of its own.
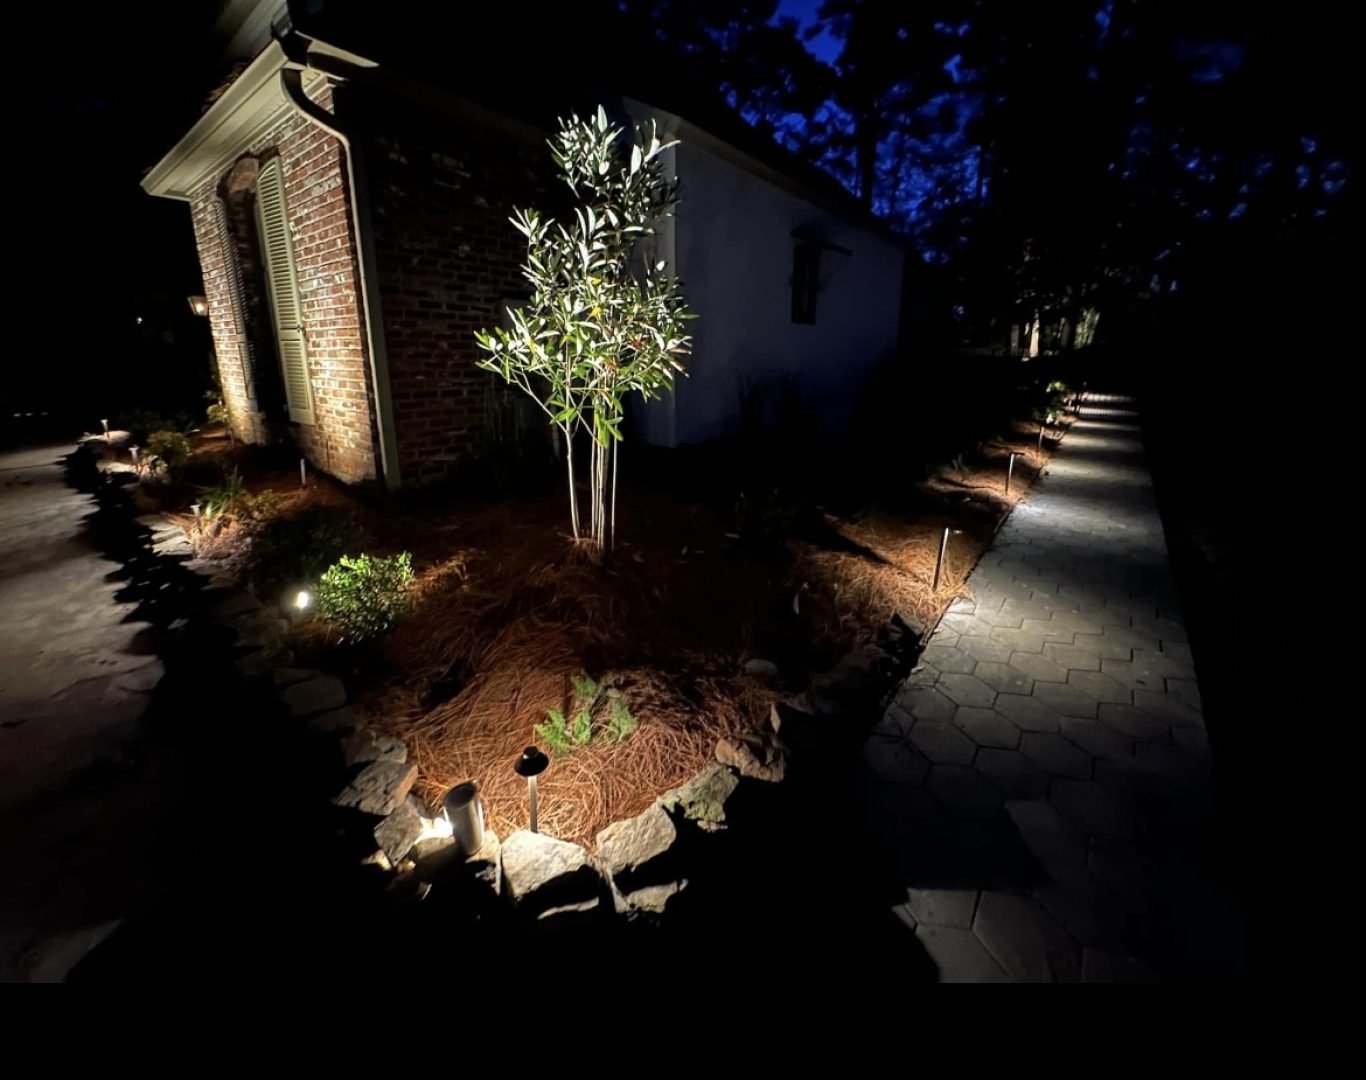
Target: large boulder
[
  {"x": 378, "y": 788},
  {"x": 856, "y": 678},
  {"x": 545, "y": 876},
  {"x": 397, "y": 833},
  {"x": 640, "y": 850},
  {"x": 702, "y": 800},
  {"x": 754, "y": 754},
  {"x": 367, "y": 745},
  {"x": 318, "y": 694}
]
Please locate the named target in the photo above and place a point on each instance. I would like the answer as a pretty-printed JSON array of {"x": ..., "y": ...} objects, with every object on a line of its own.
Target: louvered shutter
[{"x": 278, "y": 253}]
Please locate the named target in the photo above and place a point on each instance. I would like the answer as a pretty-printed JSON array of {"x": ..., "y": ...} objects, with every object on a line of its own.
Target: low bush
[
  {"x": 363, "y": 594},
  {"x": 167, "y": 449},
  {"x": 300, "y": 547},
  {"x": 221, "y": 499},
  {"x": 586, "y": 724}
]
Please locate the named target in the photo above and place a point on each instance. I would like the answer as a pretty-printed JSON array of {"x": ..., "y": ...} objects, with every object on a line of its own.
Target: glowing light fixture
[
  {"x": 303, "y": 472},
  {"x": 106, "y": 428},
  {"x": 531, "y": 764},
  {"x": 943, "y": 550},
  {"x": 465, "y": 813},
  {"x": 303, "y": 600},
  {"x": 198, "y": 304},
  {"x": 1010, "y": 469}
]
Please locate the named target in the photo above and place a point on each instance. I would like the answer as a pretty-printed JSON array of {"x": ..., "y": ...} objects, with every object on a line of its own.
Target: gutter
[{"x": 291, "y": 83}]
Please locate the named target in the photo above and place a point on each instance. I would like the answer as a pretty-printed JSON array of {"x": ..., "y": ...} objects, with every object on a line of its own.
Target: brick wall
[
  {"x": 342, "y": 441},
  {"x": 448, "y": 261}
]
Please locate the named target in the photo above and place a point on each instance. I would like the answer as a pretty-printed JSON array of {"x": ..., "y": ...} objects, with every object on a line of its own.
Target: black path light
[
  {"x": 531, "y": 764},
  {"x": 943, "y": 550},
  {"x": 466, "y": 814}
]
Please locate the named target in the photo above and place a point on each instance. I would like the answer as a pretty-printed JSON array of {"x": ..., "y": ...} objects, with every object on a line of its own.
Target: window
[
  {"x": 806, "y": 281},
  {"x": 277, "y": 253}
]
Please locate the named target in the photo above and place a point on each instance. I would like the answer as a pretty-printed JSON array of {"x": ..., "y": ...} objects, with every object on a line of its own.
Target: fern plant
[
  {"x": 563, "y": 736},
  {"x": 224, "y": 497}
]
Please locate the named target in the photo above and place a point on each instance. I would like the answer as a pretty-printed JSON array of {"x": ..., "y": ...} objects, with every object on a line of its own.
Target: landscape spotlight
[
  {"x": 466, "y": 815},
  {"x": 198, "y": 304},
  {"x": 531, "y": 764},
  {"x": 303, "y": 599}
]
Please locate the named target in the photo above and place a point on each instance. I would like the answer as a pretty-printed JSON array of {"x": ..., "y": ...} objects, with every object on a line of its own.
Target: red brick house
[{"x": 351, "y": 218}]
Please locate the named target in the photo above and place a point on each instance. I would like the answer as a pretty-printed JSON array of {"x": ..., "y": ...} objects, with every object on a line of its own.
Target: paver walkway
[{"x": 1043, "y": 777}]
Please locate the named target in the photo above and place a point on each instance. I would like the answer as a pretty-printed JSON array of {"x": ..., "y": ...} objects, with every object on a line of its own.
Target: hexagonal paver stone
[
  {"x": 1134, "y": 722},
  {"x": 948, "y": 659},
  {"x": 1104, "y": 645},
  {"x": 1093, "y": 809},
  {"x": 963, "y": 791},
  {"x": 894, "y": 762},
  {"x": 1011, "y": 773},
  {"x": 1134, "y": 676},
  {"x": 942, "y": 907},
  {"x": 1067, "y": 699},
  {"x": 1072, "y": 657},
  {"x": 1025, "y": 941},
  {"x": 922, "y": 675},
  {"x": 1038, "y": 667},
  {"x": 1075, "y": 621},
  {"x": 1028, "y": 713},
  {"x": 1004, "y": 679},
  {"x": 1168, "y": 708},
  {"x": 926, "y": 704},
  {"x": 1047, "y": 629},
  {"x": 942, "y": 743},
  {"x": 1018, "y": 640},
  {"x": 1193, "y": 740},
  {"x": 1100, "y": 686},
  {"x": 1187, "y": 690},
  {"x": 987, "y": 727},
  {"x": 959, "y": 956},
  {"x": 967, "y": 690},
  {"x": 1096, "y": 738},
  {"x": 1055, "y": 755},
  {"x": 1052, "y": 840},
  {"x": 984, "y": 650}
]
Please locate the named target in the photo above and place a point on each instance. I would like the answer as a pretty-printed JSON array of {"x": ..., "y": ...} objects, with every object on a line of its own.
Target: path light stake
[
  {"x": 943, "y": 550},
  {"x": 106, "y": 428},
  {"x": 1041, "y": 431},
  {"x": 303, "y": 472},
  {"x": 531, "y": 764},
  {"x": 198, "y": 519},
  {"x": 134, "y": 451},
  {"x": 1010, "y": 469},
  {"x": 466, "y": 814}
]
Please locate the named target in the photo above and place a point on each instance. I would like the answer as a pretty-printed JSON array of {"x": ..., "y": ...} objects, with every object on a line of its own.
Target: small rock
[
  {"x": 911, "y": 624},
  {"x": 548, "y": 875},
  {"x": 379, "y": 787},
  {"x": 238, "y": 603},
  {"x": 288, "y": 676},
  {"x": 854, "y": 678},
  {"x": 397, "y": 833},
  {"x": 761, "y": 669},
  {"x": 650, "y": 900},
  {"x": 315, "y": 695},
  {"x": 753, "y": 754},
  {"x": 367, "y": 745},
  {"x": 486, "y": 864},
  {"x": 636, "y": 851},
  {"x": 702, "y": 800},
  {"x": 338, "y": 722},
  {"x": 142, "y": 680}
]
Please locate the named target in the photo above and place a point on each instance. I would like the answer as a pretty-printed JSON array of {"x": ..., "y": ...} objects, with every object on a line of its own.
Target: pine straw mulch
[{"x": 506, "y": 608}]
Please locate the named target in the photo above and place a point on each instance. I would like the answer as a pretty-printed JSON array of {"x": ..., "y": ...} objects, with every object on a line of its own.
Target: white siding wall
[{"x": 733, "y": 242}]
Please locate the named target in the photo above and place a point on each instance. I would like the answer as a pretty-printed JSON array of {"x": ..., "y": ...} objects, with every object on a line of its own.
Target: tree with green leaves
[{"x": 604, "y": 320}]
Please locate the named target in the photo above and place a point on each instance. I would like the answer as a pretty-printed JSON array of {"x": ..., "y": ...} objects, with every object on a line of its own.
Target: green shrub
[
  {"x": 302, "y": 546},
  {"x": 562, "y": 735},
  {"x": 217, "y": 413},
  {"x": 363, "y": 594},
  {"x": 167, "y": 449}
]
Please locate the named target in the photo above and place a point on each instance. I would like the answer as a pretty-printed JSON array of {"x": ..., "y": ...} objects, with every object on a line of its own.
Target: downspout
[{"x": 291, "y": 82}]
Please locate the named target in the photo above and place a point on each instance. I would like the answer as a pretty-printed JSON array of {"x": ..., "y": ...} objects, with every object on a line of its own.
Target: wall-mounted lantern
[{"x": 199, "y": 305}]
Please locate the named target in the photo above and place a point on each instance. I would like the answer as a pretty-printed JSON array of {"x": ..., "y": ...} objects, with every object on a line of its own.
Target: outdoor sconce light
[
  {"x": 198, "y": 304},
  {"x": 943, "y": 550},
  {"x": 1010, "y": 469},
  {"x": 465, "y": 813},
  {"x": 531, "y": 764}
]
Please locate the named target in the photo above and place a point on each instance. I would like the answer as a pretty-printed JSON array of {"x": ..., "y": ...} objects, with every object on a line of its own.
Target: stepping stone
[{"x": 315, "y": 695}]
